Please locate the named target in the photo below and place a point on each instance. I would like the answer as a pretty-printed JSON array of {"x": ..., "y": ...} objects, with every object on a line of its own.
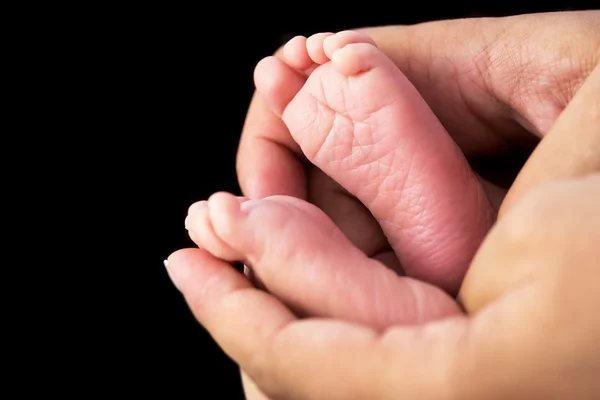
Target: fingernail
[{"x": 166, "y": 264}]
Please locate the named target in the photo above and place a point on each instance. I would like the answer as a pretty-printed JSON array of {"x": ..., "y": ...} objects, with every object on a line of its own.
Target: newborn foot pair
[{"x": 356, "y": 117}]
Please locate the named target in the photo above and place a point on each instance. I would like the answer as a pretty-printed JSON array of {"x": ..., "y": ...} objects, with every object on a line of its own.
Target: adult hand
[
  {"x": 531, "y": 331},
  {"x": 492, "y": 82}
]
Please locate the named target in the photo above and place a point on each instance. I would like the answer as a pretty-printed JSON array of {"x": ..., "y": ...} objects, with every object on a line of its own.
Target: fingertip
[
  {"x": 177, "y": 266},
  {"x": 225, "y": 302}
]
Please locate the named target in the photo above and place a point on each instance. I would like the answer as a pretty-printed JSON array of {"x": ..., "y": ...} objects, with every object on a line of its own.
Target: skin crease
[
  {"x": 558, "y": 156},
  {"x": 488, "y": 106},
  {"x": 487, "y": 101},
  {"x": 361, "y": 121},
  {"x": 531, "y": 329},
  {"x": 488, "y": 111}
]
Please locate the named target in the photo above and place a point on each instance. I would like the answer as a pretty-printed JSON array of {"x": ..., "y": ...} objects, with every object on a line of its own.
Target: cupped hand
[
  {"x": 531, "y": 328},
  {"x": 493, "y": 83}
]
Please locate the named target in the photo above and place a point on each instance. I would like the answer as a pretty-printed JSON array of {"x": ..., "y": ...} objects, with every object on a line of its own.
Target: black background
[{"x": 184, "y": 83}]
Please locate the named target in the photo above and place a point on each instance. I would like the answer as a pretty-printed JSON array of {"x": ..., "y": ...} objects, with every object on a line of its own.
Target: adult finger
[
  {"x": 525, "y": 332},
  {"x": 214, "y": 290},
  {"x": 311, "y": 358}
]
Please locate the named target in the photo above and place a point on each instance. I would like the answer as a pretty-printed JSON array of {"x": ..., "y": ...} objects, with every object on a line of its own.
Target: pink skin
[
  {"x": 358, "y": 118},
  {"x": 291, "y": 245}
]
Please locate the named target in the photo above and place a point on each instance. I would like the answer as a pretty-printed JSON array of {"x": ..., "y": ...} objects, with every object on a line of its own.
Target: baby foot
[
  {"x": 358, "y": 118},
  {"x": 303, "y": 259}
]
